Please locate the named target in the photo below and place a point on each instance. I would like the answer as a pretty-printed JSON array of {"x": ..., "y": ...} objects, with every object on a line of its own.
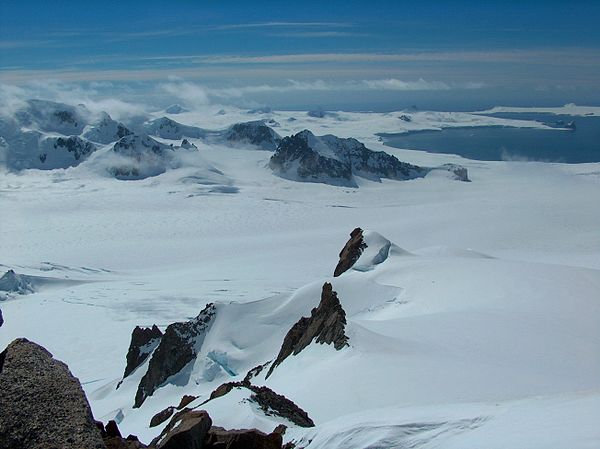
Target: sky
[{"x": 371, "y": 55}]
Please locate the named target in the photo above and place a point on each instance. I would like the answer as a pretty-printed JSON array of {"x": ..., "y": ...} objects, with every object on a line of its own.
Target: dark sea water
[{"x": 500, "y": 143}]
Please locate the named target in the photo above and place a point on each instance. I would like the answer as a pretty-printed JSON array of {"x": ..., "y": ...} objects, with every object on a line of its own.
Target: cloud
[
  {"x": 13, "y": 97},
  {"x": 251, "y": 25},
  {"x": 396, "y": 84},
  {"x": 191, "y": 94}
]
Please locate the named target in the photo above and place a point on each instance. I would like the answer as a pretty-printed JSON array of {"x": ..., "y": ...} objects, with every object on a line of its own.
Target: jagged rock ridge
[
  {"x": 143, "y": 342},
  {"x": 350, "y": 252},
  {"x": 270, "y": 402},
  {"x": 333, "y": 160},
  {"x": 178, "y": 347},
  {"x": 326, "y": 324},
  {"x": 34, "y": 387}
]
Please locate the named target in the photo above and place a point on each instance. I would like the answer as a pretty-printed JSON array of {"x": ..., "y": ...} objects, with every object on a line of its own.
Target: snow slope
[{"x": 482, "y": 331}]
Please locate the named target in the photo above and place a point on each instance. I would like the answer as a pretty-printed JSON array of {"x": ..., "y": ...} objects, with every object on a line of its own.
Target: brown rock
[
  {"x": 187, "y": 430},
  {"x": 326, "y": 324},
  {"x": 350, "y": 252},
  {"x": 219, "y": 438},
  {"x": 42, "y": 405},
  {"x": 143, "y": 342},
  {"x": 186, "y": 400},
  {"x": 161, "y": 416}
]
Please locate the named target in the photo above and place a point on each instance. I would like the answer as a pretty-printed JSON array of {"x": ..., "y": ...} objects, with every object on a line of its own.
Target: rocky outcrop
[
  {"x": 162, "y": 416},
  {"x": 188, "y": 429},
  {"x": 296, "y": 159},
  {"x": 186, "y": 399},
  {"x": 333, "y": 160},
  {"x": 62, "y": 152},
  {"x": 41, "y": 404},
  {"x": 111, "y": 435},
  {"x": 351, "y": 251},
  {"x": 1, "y": 318},
  {"x": 255, "y": 133},
  {"x": 20, "y": 284},
  {"x": 143, "y": 342},
  {"x": 457, "y": 172},
  {"x": 326, "y": 324},
  {"x": 176, "y": 349},
  {"x": 270, "y": 402},
  {"x": 219, "y": 438}
]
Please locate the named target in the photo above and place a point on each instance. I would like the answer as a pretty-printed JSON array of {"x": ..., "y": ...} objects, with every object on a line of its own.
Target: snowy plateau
[{"x": 464, "y": 313}]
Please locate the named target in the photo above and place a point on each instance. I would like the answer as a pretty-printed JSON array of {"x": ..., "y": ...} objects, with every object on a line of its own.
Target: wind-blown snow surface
[{"x": 479, "y": 328}]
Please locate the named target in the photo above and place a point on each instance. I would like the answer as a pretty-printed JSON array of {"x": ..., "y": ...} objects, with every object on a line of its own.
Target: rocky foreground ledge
[{"x": 43, "y": 406}]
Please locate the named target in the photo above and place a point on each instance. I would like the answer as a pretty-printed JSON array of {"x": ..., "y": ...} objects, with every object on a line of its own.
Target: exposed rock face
[
  {"x": 41, "y": 404},
  {"x": 295, "y": 159},
  {"x": 255, "y": 133},
  {"x": 219, "y": 438},
  {"x": 143, "y": 342},
  {"x": 326, "y": 324},
  {"x": 270, "y": 402},
  {"x": 188, "y": 429},
  {"x": 53, "y": 117},
  {"x": 170, "y": 129},
  {"x": 62, "y": 152},
  {"x": 162, "y": 416},
  {"x": 1, "y": 318},
  {"x": 113, "y": 440},
  {"x": 333, "y": 160},
  {"x": 12, "y": 282},
  {"x": 350, "y": 252},
  {"x": 186, "y": 400},
  {"x": 177, "y": 348}
]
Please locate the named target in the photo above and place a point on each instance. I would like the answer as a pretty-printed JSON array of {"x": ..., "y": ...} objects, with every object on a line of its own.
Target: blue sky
[{"x": 399, "y": 52}]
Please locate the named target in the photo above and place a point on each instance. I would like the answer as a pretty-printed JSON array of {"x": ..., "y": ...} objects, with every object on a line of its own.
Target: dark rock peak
[
  {"x": 294, "y": 158},
  {"x": 326, "y": 324},
  {"x": 187, "y": 429},
  {"x": 176, "y": 349},
  {"x": 41, "y": 404},
  {"x": 76, "y": 145},
  {"x": 1, "y": 323},
  {"x": 111, "y": 435},
  {"x": 351, "y": 251},
  {"x": 254, "y": 133},
  {"x": 186, "y": 145},
  {"x": 143, "y": 341},
  {"x": 270, "y": 402}
]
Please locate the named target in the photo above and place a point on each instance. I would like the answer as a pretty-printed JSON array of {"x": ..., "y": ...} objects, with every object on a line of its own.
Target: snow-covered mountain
[
  {"x": 170, "y": 129},
  {"x": 139, "y": 156},
  {"x": 255, "y": 133},
  {"x": 106, "y": 130},
  {"x": 391, "y": 329},
  {"x": 332, "y": 160}
]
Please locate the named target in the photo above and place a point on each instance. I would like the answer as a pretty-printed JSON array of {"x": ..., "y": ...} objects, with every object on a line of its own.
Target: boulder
[
  {"x": 350, "y": 252},
  {"x": 219, "y": 438},
  {"x": 326, "y": 324},
  {"x": 143, "y": 342},
  {"x": 42, "y": 405},
  {"x": 187, "y": 430}
]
